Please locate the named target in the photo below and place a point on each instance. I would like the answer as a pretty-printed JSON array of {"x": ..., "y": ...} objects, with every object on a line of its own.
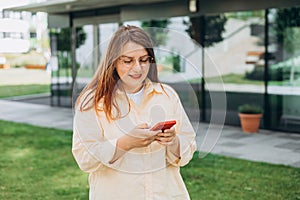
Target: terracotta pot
[
  {"x": 35, "y": 66},
  {"x": 4, "y": 66},
  {"x": 250, "y": 122}
]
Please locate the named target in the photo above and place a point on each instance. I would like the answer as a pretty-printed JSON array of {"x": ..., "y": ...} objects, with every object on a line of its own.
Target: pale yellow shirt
[{"x": 149, "y": 173}]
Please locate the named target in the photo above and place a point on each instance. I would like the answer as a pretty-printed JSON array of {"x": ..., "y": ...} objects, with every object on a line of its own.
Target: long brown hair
[{"x": 104, "y": 81}]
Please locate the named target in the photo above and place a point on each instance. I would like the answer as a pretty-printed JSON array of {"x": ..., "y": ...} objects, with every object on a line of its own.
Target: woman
[{"x": 112, "y": 138}]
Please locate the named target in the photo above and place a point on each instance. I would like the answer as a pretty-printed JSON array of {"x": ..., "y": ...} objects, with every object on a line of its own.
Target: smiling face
[{"x": 133, "y": 66}]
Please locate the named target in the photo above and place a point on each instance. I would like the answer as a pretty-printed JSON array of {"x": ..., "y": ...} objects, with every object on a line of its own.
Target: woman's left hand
[{"x": 167, "y": 137}]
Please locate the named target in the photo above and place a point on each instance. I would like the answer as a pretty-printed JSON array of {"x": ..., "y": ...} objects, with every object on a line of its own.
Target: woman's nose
[{"x": 137, "y": 66}]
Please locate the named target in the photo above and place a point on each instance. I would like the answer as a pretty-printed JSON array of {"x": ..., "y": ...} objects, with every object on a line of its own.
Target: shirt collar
[
  {"x": 149, "y": 88},
  {"x": 152, "y": 87}
]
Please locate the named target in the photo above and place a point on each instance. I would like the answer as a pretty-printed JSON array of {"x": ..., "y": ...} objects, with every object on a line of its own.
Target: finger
[
  {"x": 163, "y": 142},
  {"x": 170, "y": 134},
  {"x": 169, "y": 130},
  {"x": 154, "y": 133},
  {"x": 143, "y": 126},
  {"x": 165, "y": 139}
]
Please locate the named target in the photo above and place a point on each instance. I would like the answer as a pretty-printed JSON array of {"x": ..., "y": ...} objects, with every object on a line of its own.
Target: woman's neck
[{"x": 133, "y": 90}]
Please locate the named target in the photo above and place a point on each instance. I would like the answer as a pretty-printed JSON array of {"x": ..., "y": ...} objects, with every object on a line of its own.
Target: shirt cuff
[
  {"x": 173, "y": 156},
  {"x": 108, "y": 149}
]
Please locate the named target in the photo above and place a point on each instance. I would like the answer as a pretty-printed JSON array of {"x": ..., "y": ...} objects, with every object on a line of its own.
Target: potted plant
[{"x": 250, "y": 115}]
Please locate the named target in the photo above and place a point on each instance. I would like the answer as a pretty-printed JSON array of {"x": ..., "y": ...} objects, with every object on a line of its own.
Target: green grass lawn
[
  {"x": 229, "y": 78},
  {"x": 36, "y": 163},
  {"x": 19, "y": 90},
  {"x": 240, "y": 79},
  {"x": 82, "y": 72}
]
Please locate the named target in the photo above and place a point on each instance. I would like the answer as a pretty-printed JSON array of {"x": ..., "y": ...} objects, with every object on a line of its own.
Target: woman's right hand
[{"x": 138, "y": 137}]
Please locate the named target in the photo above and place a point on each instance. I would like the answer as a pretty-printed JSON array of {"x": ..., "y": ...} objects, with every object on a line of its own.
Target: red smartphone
[{"x": 163, "y": 125}]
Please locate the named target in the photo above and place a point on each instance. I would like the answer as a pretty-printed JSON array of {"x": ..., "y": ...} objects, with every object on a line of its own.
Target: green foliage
[
  {"x": 245, "y": 15},
  {"x": 156, "y": 30},
  {"x": 256, "y": 74},
  {"x": 228, "y": 78},
  {"x": 285, "y": 18},
  {"x": 277, "y": 72},
  {"x": 292, "y": 39},
  {"x": 287, "y": 22},
  {"x": 176, "y": 63},
  {"x": 250, "y": 109},
  {"x": 206, "y": 30},
  {"x": 64, "y": 38},
  {"x": 65, "y": 60}
]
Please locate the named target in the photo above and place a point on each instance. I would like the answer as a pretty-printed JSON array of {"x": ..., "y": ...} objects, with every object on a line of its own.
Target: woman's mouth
[{"x": 136, "y": 76}]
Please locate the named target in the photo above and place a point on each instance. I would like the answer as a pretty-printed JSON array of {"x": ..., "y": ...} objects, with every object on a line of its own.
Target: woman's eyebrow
[
  {"x": 123, "y": 56},
  {"x": 129, "y": 57}
]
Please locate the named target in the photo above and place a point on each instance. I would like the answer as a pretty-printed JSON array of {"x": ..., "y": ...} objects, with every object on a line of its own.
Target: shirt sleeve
[
  {"x": 90, "y": 149},
  {"x": 185, "y": 134}
]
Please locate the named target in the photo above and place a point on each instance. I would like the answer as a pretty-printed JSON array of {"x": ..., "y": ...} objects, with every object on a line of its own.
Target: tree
[
  {"x": 287, "y": 26},
  {"x": 159, "y": 36},
  {"x": 206, "y": 30},
  {"x": 64, "y": 38},
  {"x": 287, "y": 17}
]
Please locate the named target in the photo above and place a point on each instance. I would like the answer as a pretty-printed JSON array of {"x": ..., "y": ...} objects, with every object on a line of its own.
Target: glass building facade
[{"x": 256, "y": 55}]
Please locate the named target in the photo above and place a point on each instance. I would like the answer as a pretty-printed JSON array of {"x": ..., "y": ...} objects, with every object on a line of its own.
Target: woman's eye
[
  {"x": 144, "y": 60},
  {"x": 127, "y": 61}
]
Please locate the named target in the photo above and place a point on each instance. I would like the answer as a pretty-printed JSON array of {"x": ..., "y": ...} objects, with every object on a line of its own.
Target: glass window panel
[
  {"x": 284, "y": 68},
  {"x": 178, "y": 59},
  {"x": 234, "y": 46}
]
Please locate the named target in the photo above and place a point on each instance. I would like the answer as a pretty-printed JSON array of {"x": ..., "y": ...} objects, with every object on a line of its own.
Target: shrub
[{"x": 250, "y": 109}]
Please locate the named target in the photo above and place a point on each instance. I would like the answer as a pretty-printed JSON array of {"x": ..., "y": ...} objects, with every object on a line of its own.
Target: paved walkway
[{"x": 266, "y": 146}]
